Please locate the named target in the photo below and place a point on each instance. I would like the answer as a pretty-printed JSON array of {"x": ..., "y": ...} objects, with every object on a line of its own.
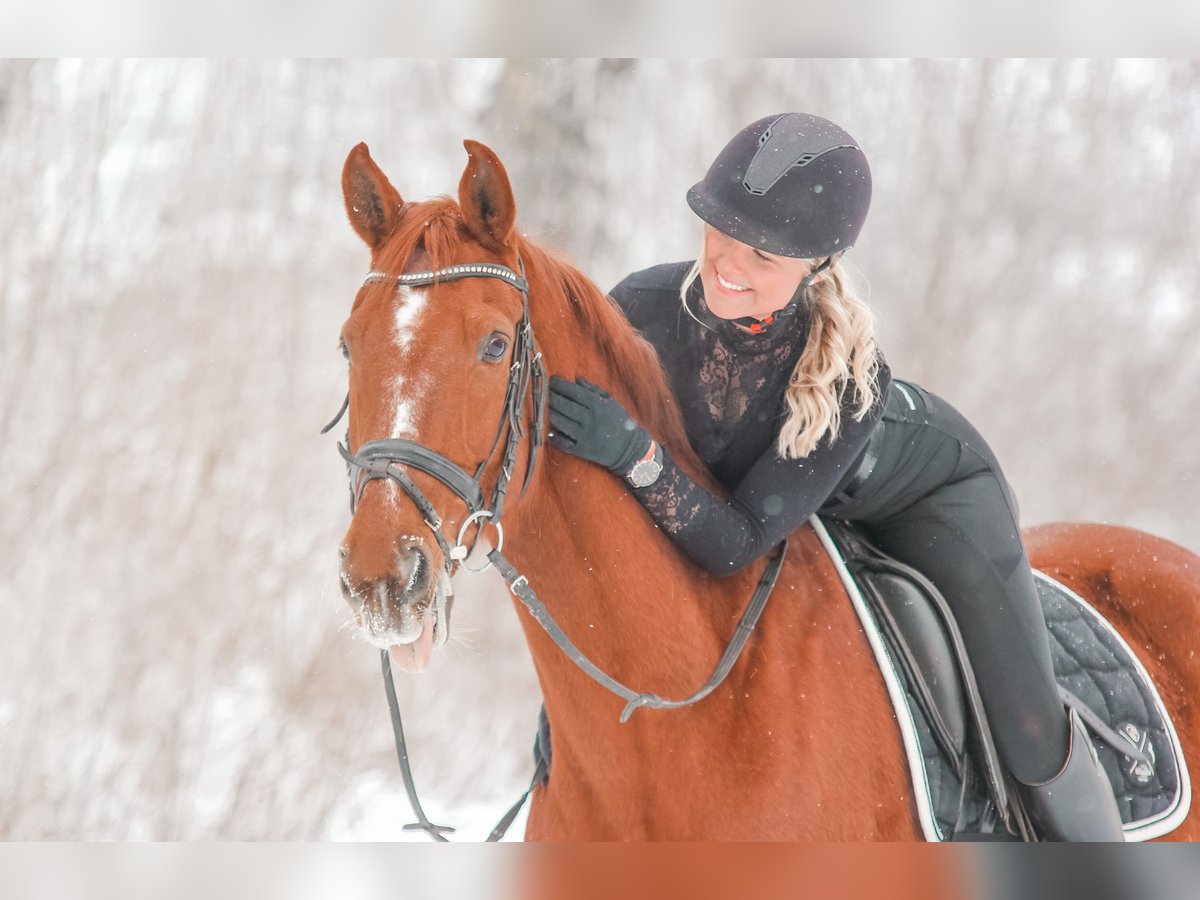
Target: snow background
[{"x": 176, "y": 265}]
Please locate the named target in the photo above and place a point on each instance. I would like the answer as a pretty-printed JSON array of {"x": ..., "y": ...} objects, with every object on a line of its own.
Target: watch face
[{"x": 645, "y": 473}]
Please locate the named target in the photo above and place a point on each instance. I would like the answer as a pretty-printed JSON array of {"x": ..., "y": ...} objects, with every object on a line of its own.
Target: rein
[{"x": 386, "y": 459}]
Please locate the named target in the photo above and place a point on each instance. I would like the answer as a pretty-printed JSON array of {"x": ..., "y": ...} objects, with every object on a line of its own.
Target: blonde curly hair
[{"x": 840, "y": 351}]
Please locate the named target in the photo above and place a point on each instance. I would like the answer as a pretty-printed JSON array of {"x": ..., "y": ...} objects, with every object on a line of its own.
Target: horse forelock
[{"x": 432, "y": 229}]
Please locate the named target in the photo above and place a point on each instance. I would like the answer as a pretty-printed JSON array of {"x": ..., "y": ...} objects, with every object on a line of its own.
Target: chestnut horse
[{"x": 800, "y": 740}]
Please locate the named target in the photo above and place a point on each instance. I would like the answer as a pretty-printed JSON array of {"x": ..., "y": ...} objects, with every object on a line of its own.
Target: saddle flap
[{"x": 934, "y": 670}]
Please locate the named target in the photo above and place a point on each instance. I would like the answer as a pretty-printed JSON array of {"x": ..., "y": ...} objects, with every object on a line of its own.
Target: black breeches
[{"x": 939, "y": 503}]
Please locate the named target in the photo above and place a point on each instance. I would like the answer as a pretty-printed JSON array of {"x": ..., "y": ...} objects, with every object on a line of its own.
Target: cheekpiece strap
[{"x": 453, "y": 273}]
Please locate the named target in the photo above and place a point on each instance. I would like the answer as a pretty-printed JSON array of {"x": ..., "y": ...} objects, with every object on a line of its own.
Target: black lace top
[{"x": 730, "y": 386}]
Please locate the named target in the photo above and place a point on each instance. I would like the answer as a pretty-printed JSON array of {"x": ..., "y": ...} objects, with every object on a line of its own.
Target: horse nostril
[
  {"x": 413, "y": 567},
  {"x": 353, "y": 597},
  {"x": 343, "y": 552}
]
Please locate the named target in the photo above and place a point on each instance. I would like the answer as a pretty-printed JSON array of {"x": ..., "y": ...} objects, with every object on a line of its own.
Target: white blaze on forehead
[{"x": 406, "y": 393}]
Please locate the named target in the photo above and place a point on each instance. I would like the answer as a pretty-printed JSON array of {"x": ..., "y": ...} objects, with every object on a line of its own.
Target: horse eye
[
  {"x": 345, "y": 353},
  {"x": 496, "y": 347}
]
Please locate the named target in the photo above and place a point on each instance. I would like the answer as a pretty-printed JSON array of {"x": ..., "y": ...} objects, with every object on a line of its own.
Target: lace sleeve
[
  {"x": 717, "y": 533},
  {"x": 777, "y": 495}
]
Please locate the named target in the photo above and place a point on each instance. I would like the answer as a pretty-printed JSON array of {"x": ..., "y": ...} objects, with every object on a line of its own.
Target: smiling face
[{"x": 740, "y": 280}]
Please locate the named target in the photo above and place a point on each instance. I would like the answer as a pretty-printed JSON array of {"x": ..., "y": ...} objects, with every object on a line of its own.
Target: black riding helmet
[{"x": 791, "y": 184}]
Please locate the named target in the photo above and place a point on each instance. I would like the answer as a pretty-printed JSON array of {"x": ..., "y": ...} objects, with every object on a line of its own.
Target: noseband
[{"x": 384, "y": 459}]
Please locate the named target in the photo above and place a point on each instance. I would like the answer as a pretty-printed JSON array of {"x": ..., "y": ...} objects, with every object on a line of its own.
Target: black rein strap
[{"x": 519, "y": 585}]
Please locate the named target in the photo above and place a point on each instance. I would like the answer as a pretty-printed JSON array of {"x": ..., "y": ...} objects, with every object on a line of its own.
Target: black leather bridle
[{"x": 386, "y": 459}]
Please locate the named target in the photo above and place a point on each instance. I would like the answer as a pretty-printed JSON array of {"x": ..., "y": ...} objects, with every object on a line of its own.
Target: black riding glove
[{"x": 586, "y": 421}]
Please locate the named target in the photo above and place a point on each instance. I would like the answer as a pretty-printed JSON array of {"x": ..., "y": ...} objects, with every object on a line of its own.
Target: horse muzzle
[{"x": 405, "y": 611}]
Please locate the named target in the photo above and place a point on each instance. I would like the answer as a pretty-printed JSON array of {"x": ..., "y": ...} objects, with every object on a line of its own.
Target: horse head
[{"x": 444, "y": 394}]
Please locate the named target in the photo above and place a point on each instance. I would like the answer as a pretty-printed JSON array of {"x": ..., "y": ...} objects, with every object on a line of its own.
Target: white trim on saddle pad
[{"x": 1157, "y": 826}]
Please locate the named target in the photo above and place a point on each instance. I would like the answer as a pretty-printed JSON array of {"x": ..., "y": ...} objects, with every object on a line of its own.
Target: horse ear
[
  {"x": 372, "y": 204},
  {"x": 486, "y": 198}
]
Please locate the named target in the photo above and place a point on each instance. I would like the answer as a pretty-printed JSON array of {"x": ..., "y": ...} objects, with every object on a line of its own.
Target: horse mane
[
  {"x": 574, "y": 320},
  {"x": 625, "y": 357}
]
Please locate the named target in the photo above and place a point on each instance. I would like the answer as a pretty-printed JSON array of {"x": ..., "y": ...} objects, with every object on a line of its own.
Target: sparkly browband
[{"x": 453, "y": 273}]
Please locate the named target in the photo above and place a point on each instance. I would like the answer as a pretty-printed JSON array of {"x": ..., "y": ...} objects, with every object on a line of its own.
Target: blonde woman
[{"x": 787, "y": 399}]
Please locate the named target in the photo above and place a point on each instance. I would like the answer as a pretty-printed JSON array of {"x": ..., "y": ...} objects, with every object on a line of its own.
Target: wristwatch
[{"x": 647, "y": 469}]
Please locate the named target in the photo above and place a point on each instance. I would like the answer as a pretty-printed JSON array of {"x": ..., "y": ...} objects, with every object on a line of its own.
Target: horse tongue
[{"x": 414, "y": 657}]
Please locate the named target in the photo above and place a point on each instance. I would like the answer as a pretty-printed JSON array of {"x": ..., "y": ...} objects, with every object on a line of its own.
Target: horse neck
[
  {"x": 618, "y": 588},
  {"x": 609, "y": 576}
]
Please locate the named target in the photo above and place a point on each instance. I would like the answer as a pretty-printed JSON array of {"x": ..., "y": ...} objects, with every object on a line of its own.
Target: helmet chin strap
[{"x": 758, "y": 326}]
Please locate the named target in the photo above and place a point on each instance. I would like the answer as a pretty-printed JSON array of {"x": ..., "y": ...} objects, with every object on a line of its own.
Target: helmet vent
[{"x": 796, "y": 144}]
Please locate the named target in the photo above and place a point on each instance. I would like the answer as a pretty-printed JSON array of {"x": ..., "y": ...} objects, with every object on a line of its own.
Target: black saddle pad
[{"x": 1100, "y": 676}]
